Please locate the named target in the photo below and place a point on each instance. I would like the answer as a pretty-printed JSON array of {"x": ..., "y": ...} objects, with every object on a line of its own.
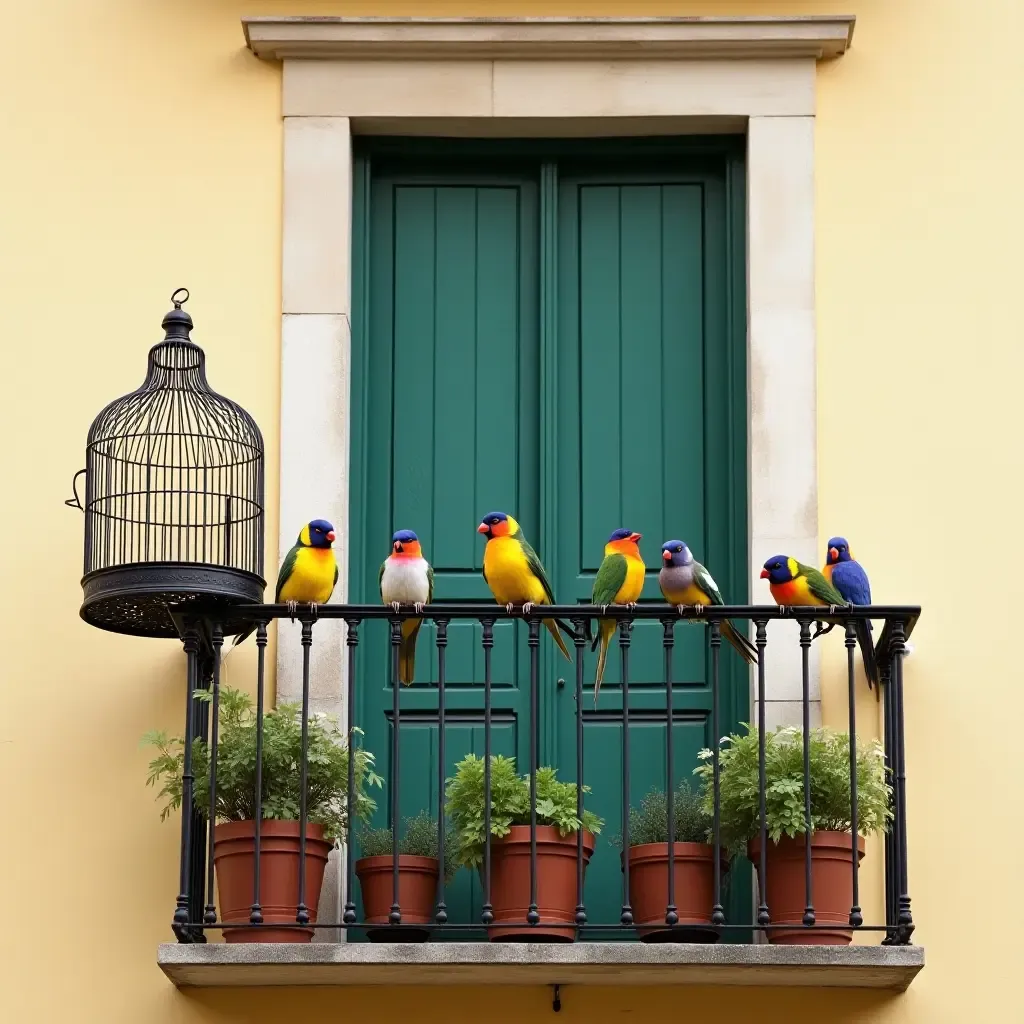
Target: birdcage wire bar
[{"x": 174, "y": 494}]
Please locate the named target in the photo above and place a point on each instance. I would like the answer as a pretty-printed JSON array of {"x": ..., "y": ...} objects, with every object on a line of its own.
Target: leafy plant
[
  {"x": 648, "y": 823},
  {"x": 510, "y": 804},
  {"x": 327, "y": 757},
  {"x": 420, "y": 839},
  {"x": 784, "y": 785}
]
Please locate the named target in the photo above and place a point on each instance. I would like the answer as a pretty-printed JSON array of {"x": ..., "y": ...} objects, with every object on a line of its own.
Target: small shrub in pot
[
  {"x": 832, "y": 841},
  {"x": 234, "y": 835},
  {"x": 557, "y": 828}
]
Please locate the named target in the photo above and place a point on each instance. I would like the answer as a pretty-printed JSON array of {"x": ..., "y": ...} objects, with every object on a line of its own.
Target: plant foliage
[
  {"x": 784, "y": 785},
  {"x": 327, "y": 772},
  {"x": 419, "y": 839},
  {"x": 648, "y": 823},
  {"x": 510, "y": 804}
]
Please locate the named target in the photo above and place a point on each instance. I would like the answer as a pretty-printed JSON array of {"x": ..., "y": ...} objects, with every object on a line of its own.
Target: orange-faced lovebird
[
  {"x": 793, "y": 583},
  {"x": 406, "y": 578},
  {"x": 685, "y": 581},
  {"x": 514, "y": 572},
  {"x": 847, "y": 575},
  {"x": 619, "y": 580},
  {"x": 309, "y": 571}
]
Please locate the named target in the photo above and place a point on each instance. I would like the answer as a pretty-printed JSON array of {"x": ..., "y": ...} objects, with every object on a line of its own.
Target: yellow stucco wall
[{"x": 141, "y": 150}]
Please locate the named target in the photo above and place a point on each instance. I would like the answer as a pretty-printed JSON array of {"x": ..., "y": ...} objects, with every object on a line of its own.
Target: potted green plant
[
  {"x": 831, "y": 827},
  {"x": 557, "y": 825},
  {"x": 418, "y": 870},
  {"x": 234, "y": 835},
  {"x": 692, "y": 866}
]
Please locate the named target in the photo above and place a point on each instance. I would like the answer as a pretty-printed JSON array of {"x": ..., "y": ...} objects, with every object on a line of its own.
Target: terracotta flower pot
[
  {"x": 831, "y": 887},
  {"x": 556, "y": 884},
  {"x": 693, "y": 868},
  {"x": 234, "y": 859},
  {"x": 417, "y": 890}
]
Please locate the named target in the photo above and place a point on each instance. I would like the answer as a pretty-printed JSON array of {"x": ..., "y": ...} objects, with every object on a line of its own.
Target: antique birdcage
[{"x": 173, "y": 495}]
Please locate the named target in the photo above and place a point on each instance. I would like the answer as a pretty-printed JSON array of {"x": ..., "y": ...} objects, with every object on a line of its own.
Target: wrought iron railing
[{"x": 203, "y": 635}]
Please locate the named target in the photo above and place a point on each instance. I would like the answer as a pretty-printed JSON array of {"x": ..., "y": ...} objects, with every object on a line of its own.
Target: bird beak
[
  {"x": 398, "y": 545},
  {"x": 634, "y": 537},
  {"x": 483, "y": 528},
  {"x": 330, "y": 535},
  {"x": 667, "y": 555},
  {"x": 764, "y": 574},
  {"x": 833, "y": 553}
]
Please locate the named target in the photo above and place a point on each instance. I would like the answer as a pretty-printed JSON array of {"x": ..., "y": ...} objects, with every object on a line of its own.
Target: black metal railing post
[
  {"x": 717, "y": 912},
  {"x": 256, "y": 909},
  {"x": 763, "y": 917},
  {"x": 301, "y": 910},
  {"x": 668, "y": 641},
  {"x": 181, "y": 912},
  {"x": 625, "y": 625},
  {"x": 351, "y": 643},
  {"x": 579, "y": 640},
  {"x": 533, "y": 642},
  {"x": 856, "y": 916},
  {"x": 905, "y": 920},
  {"x": 441, "y": 912},
  {"x": 210, "y": 915},
  {"x": 805, "y": 677},
  {"x": 395, "y": 916},
  {"x": 487, "y": 911}
]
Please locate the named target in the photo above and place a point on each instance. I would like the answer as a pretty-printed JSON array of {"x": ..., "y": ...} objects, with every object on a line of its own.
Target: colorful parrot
[
  {"x": 685, "y": 581},
  {"x": 847, "y": 575},
  {"x": 793, "y": 583},
  {"x": 406, "y": 578},
  {"x": 619, "y": 580},
  {"x": 309, "y": 570},
  {"x": 514, "y": 572}
]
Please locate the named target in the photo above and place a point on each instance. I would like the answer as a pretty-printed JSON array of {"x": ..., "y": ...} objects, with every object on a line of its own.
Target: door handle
[{"x": 561, "y": 683}]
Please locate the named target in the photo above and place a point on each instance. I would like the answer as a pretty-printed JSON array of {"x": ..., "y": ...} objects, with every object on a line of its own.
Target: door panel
[{"x": 566, "y": 343}]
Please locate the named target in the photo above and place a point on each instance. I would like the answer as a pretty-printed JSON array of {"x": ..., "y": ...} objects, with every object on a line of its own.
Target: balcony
[{"x": 707, "y": 878}]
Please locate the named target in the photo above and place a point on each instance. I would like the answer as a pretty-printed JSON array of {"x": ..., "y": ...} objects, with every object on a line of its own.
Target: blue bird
[{"x": 847, "y": 575}]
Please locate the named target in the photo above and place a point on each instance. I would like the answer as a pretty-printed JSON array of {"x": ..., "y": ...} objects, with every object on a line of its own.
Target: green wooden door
[{"x": 557, "y": 332}]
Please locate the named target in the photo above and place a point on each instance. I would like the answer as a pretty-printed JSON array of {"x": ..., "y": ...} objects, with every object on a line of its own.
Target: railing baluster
[
  {"x": 256, "y": 908},
  {"x": 301, "y": 910},
  {"x": 856, "y": 917},
  {"x": 717, "y": 912},
  {"x": 763, "y": 918},
  {"x": 351, "y": 642},
  {"x": 668, "y": 640},
  {"x": 181, "y": 910},
  {"x": 579, "y": 640},
  {"x": 533, "y": 641},
  {"x": 805, "y": 675},
  {"x": 905, "y": 921},
  {"x": 487, "y": 912},
  {"x": 625, "y": 625},
  {"x": 441, "y": 915},
  {"x": 210, "y": 915},
  {"x": 395, "y": 917},
  {"x": 891, "y": 853}
]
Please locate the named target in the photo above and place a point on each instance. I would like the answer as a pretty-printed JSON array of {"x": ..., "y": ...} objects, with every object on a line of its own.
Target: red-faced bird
[
  {"x": 685, "y": 581},
  {"x": 619, "y": 580},
  {"x": 406, "y": 578},
  {"x": 847, "y": 575},
  {"x": 793, "y": 583},
  {"x": 514, "y": 573},
  {"x": 309, "y": 570}
]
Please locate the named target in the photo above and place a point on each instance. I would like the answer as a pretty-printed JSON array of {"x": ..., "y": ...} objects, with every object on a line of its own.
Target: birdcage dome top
[{"x": 173, "y": 494}]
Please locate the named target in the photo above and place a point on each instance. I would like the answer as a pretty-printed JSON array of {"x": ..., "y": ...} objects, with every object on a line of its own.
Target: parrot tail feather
[
  {"x": 867, "y": 651},
  {"x": 741, "y": 643},
  {"x": 604, "y": 635},
  {"x": 407, "y": 651},
  {"x": 553, "y": 630}
]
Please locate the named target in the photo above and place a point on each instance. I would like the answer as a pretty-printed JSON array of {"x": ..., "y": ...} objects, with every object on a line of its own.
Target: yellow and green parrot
[
  {"x": 309, "y": 570},
  {"x": 619, "y": 580},
  {"x": 793, "y": 583},
  {"x": 685, "y": 581},
  {"x": 406, "y": 577},
  {"x": 514, "y": 572}
]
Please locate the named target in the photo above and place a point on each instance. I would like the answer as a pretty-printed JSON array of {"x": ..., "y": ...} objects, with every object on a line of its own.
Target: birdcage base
[{"x": 134, "y": 599}]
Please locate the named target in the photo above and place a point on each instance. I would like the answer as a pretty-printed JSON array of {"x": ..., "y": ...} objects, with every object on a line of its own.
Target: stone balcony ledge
[{"x": 481, "y": 963}]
